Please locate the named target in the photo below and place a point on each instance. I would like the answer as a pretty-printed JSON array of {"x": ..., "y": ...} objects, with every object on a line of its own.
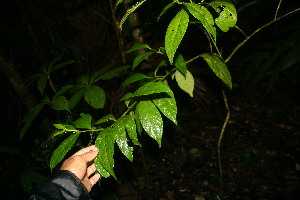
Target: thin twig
[
  {"x": 220, "y": 141},
  {"x": 256, "y": 31},
  {"x": 277, "y": 9},
  {"x": 238, "y": 28}
]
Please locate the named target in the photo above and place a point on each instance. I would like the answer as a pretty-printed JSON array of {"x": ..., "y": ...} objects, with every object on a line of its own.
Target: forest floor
[{"x": 260, "y": 152}]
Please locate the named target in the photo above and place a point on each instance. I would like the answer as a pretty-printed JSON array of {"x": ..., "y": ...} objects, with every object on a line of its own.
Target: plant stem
[
  {"x": 256, "y": 31},
  {"x": 277, "y": 9},
  {"x": 220, "y": 141}
]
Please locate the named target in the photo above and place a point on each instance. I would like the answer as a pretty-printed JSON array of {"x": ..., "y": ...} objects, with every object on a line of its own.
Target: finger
[
  {"x": 89, "y": 156},
  {"x": 90, "y": 170},
  {"x": 85, "y": 150},
  {"x": 94, "y": 179}
]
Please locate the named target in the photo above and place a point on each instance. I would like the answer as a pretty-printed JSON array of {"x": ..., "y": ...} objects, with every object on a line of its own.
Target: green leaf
[
  {"x": 102, "y": 170},
  {"x": 85, "y": 121},
  {"x": 31, "y": 115},
  {"x": 84, "y": 80},
  {"x": 41, "y": 83},
  {"x": 204, "y": 16},
  {"x": 105, "y": 144},
  {"x": 218, "y": 67},
  {"x": 137, "y": 46},
  {"x": 118, "y": 2},
  {"x": 94, "y": 96},
  {"x": 129, "y": 11},
  {"x": 59, "y": 126},
  {"x": 153, "y": 88},
  {"x": 112, "y": 73},
  {"x": 138, "y": 122},
  {"x": 166, "y": 8},
  {"x": 228, "y": 14},
  {"x": 121, "y": 139},
  {"x": 133, "y": 78},
  {"x": 151, "y": 120},
  {"x": 56, "y": 133},
  {"x": 61, "y": 65},
  {"x": 60, "y": 103},
  {"x": 168, "y": 107},
  {"x": 63, "y": 90},
  {"x": 126, "y": 96},
  {"x": 180, "y": 64},
  {"x": 186, "y": 83},
  {"x": 76, "y": 98},
  {"x": 175, "y": 33},
  {"x": 105, "y": 119},
  {"x": 140, "y": 58},
  {"x": 63, "y": 149}
]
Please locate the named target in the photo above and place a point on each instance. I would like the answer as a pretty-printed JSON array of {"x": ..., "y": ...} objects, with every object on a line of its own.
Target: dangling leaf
[
  {"x": 63, "y": 90},
  {"x": 218, "y": 67},
  {"x": 228, "y": 15},
  {"x": 140, "y": 58},
  {"x": 175, "y": 33},
  {"x": 204, "y": 16},
  {"x": 63, "y": 149},
  {"x": 112, "y": 73},
  {"x": 186, "y": 83},
  {"x": 129, "y": 11},
  {"x": 121, "y": 139},
  {"x": 95, "y": 96},
  {"x": 85, "y": 121},
  {"x": 130, "y": 127},
  {"x": 60, "y": 103},
  {"x": 105, "y": 119},
  {"x": 137, "y": 46},
  {"x": 41, "y": 83},
  {"x": 76, "y": 98},
  {"x": 133, "y": 78},
  {"x": 166, "y": 8},
  {"x": 151, "y": 120},
  {"x": 105, "y": 143},
  {"x": 180, "y": 64}
]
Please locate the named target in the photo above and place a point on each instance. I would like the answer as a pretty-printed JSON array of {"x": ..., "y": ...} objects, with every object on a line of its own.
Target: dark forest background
[{"x": 261, "y": 149}]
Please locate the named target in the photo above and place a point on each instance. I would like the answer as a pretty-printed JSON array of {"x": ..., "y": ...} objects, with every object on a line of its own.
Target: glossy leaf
[
  {"x": 228, "y": 14},
  {"x": 85, "y": 121},
  {"x": 76, "y": 98},
  {"x": 141, "y": 57},
  {"x": 121, "y": 139},
  {"x": 218, "y": 67},
  {"x": 31, "y": 115},
  {"x": 105, "y": 119},
  {"x": 153, "y": 88},
  {"x": 105, "y": 144},
  {"x": 168, "y": 107},
  {"x": 180, "y": 64},
  {"x": 95, "y": 96},
  {"x": 151, "y": 120},
  {"x": 63, "y": 149},
  {"x": 165, "y": 9},
  {"x": 138, "y": 122},
  {"x": 186, "y": 83},
  {"x": 130, "y": 127},
  {"x": 175, "y": 33},
  {"x": 133, "y": 78},
  {"x": 204, "y": 16},
  {"x": 129, "y": 11},
  {"x": 60, "y": 103},
  {"x": 137, "y": 46}
]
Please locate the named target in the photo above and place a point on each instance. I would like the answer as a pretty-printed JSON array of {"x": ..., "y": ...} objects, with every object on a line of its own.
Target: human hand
[{"x": 81, "y": 164}]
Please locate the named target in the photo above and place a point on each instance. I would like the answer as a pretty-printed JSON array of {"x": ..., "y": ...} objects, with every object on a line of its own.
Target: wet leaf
[
  {"x": 168, "y": 107},
  {"x": 151, "y": 120},
  {"x": 153, "y": 88},
  {"x": 105, "y": 119}
]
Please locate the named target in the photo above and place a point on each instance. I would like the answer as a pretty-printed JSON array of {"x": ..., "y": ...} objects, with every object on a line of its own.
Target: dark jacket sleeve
[{"x": 63, "y": 185}]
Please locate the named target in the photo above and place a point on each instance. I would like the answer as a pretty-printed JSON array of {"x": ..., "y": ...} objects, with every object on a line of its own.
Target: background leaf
[
  {"x": 76, "y": 98},
  {"x": 95, "y": 96},
  {"x": 175, "y": 33},
  {"x": 85, "y": 121},
  {"x": 129, "y": 11},
  {"x": 60, "y": 103},
  {"x": 140, "y": 58},
  {"x": 151, "y": 120},
  {"x": 105, "y": 119},
  {"x": 137, "y": 46},
  {"x": 63, "y": 149},
  {"x": 133, "y": 78}
]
